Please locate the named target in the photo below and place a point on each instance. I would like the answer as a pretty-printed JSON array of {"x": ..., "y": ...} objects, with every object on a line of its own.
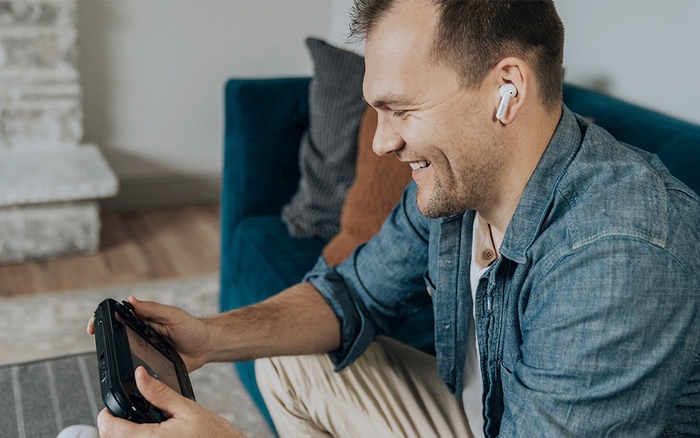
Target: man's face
[{"x": 445, "y": 132}]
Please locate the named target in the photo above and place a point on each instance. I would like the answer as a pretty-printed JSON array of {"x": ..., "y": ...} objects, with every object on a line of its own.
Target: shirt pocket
[{"x": 429, "y": 285}]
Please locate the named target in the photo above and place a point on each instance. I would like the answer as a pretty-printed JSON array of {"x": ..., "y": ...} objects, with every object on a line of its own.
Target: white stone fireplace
[{"x": 50, "y": 183}]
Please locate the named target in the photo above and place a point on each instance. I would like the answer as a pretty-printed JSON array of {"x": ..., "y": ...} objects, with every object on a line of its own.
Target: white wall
[
  {"x": 645, "y": 52},
  {"x": 153, "y": 74},
  {"x": 339, "y": 24}
]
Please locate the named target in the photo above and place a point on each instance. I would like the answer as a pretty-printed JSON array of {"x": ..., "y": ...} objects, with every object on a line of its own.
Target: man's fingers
[
  {"x": 113, "y": 427},
  {"x": 152, "y": 311},
  {"x": 159, "y": 394},
  {"x": 91, "y": 325},
  {"x": 107, "y": 422}
]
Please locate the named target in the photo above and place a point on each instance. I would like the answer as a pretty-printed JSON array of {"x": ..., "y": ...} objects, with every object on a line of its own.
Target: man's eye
[{"x": 400, "y": 113}]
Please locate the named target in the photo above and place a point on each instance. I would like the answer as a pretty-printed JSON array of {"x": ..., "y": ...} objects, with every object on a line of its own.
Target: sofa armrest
[{"x": 264, "y": 122}]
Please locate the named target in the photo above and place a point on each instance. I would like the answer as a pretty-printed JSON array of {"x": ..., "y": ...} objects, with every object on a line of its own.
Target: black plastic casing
[{"x": 116, "y": 369}]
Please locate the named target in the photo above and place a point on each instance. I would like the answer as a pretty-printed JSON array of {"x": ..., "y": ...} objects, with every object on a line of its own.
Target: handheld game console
[{"x": 123, "y": 342}]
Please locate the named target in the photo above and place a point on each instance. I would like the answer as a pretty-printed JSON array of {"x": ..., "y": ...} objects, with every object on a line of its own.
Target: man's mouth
[{"x": 417, "y": 165}]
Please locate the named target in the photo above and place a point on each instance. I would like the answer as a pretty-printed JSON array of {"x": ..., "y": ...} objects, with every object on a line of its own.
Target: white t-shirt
[{"x": 472, "y": 386}]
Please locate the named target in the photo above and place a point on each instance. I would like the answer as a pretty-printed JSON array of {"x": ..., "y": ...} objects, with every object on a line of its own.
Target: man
[{"x": 563, "y": 266}]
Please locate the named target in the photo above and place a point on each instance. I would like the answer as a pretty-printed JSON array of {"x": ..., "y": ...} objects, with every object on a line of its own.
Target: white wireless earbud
[{"x": 506, "y": 91}]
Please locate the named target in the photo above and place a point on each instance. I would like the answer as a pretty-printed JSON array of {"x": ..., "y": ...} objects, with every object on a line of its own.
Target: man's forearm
[{"x": 296, "y": 321}]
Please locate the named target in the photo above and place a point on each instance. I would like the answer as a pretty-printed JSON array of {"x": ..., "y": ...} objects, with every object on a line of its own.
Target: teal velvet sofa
[{"x": 264, "y": 122}]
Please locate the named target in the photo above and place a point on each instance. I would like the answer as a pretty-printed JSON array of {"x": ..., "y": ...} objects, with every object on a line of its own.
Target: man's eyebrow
[{"x": 389, "y": 99}]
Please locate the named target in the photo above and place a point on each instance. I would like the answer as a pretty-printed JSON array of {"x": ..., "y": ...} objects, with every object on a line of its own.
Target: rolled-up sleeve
[{"x": 381, "y": 283}]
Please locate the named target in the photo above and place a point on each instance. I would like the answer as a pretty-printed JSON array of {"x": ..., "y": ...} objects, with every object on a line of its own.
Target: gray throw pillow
[{"x": 329, "y": 146}]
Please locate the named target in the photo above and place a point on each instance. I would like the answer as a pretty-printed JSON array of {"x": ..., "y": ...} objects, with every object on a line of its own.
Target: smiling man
[
  {"x": 442, "y": 121},
  {"x": 562, "y": 265}
]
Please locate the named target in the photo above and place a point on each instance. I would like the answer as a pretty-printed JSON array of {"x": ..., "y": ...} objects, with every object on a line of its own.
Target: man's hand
[
  {"x": 189, "y": 335},
  {"x": 186, "y": 418}
]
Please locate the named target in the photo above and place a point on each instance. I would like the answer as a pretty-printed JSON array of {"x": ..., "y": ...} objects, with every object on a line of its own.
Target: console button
[
  {"x": 139, "y": 402},
  {"x": 128, "y": 306}
]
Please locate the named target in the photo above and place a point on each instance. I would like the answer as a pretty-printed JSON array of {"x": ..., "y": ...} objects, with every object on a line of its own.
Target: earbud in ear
[{"x": 506, "y": 91}]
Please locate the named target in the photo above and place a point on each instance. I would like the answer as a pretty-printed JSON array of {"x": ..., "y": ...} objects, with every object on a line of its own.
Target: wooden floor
[{"x": 134, "y": 246}]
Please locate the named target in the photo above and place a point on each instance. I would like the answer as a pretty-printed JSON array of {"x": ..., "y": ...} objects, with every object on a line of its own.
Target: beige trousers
[{"x": 392, "y": 390}]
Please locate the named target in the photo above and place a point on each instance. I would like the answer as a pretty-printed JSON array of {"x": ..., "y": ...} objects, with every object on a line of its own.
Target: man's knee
[
  {"x": 270, "y": 376},
  {"x": 265, "y": 372},
  {"x": 281, "y": 376}
]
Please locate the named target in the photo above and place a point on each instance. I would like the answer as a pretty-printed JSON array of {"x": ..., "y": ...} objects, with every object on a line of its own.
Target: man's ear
[{"x": 513, "y": 71}]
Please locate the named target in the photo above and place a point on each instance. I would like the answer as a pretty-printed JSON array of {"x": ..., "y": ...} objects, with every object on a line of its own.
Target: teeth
[{"x": 418, "y": 164}]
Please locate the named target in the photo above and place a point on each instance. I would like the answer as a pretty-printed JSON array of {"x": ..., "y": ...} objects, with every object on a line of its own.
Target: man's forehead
[
  {"x": 391, "y": 86},
  {"x": 397, "y": 52}
]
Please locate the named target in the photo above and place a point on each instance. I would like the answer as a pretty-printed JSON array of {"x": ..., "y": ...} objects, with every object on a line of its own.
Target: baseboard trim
[{"x": 160, "y": 191}]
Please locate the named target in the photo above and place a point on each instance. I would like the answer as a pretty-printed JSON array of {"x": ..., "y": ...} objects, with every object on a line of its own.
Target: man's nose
[{"x": 386, "y": 138}]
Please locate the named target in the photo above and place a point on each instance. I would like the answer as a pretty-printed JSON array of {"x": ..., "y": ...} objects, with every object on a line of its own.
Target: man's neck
[{"x": 528, "y": 146}]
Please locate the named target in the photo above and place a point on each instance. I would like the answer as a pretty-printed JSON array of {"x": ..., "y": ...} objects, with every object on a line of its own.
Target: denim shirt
[{"x": 589, "y": 322}]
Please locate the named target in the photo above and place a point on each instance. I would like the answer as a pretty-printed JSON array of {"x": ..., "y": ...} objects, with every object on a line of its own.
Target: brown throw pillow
[{"x": 378, "y": 185}]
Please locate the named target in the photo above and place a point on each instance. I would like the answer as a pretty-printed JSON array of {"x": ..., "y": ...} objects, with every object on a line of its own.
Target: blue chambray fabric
[{"x": 587, "y": 325}]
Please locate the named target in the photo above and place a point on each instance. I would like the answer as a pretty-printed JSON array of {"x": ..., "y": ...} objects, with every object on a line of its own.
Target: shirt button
[{"x": 487, "y": 254}]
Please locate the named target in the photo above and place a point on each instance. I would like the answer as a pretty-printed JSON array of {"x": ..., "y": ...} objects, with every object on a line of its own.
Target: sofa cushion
[
  {"x": 327, "y": 150},
  {"x": 268, "y": 259}
]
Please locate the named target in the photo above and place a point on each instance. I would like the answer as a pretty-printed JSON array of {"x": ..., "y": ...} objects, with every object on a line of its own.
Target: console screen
[{"x": 157, "y": 365}]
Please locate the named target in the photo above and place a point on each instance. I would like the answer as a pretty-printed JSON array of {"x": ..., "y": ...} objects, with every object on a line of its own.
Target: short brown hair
[{"x": 474, "y": 35}]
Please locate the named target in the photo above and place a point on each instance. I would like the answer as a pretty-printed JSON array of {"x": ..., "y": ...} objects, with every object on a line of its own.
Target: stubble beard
[
  {"x": 466, "y": 191},
  {"x": 441, "y": 204}
]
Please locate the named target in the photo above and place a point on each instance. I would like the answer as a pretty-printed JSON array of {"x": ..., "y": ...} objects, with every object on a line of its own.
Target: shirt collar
[{"x": 539, "y": 192}]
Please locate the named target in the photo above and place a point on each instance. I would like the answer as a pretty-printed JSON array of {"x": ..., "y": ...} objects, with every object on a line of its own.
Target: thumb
[{"x": 158, "y": 393}]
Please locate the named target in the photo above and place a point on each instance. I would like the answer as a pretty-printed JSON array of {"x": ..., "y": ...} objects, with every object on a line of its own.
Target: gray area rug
[
  {"x": 49, "y": 380},
  {"x": 41, "y": 398}
]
